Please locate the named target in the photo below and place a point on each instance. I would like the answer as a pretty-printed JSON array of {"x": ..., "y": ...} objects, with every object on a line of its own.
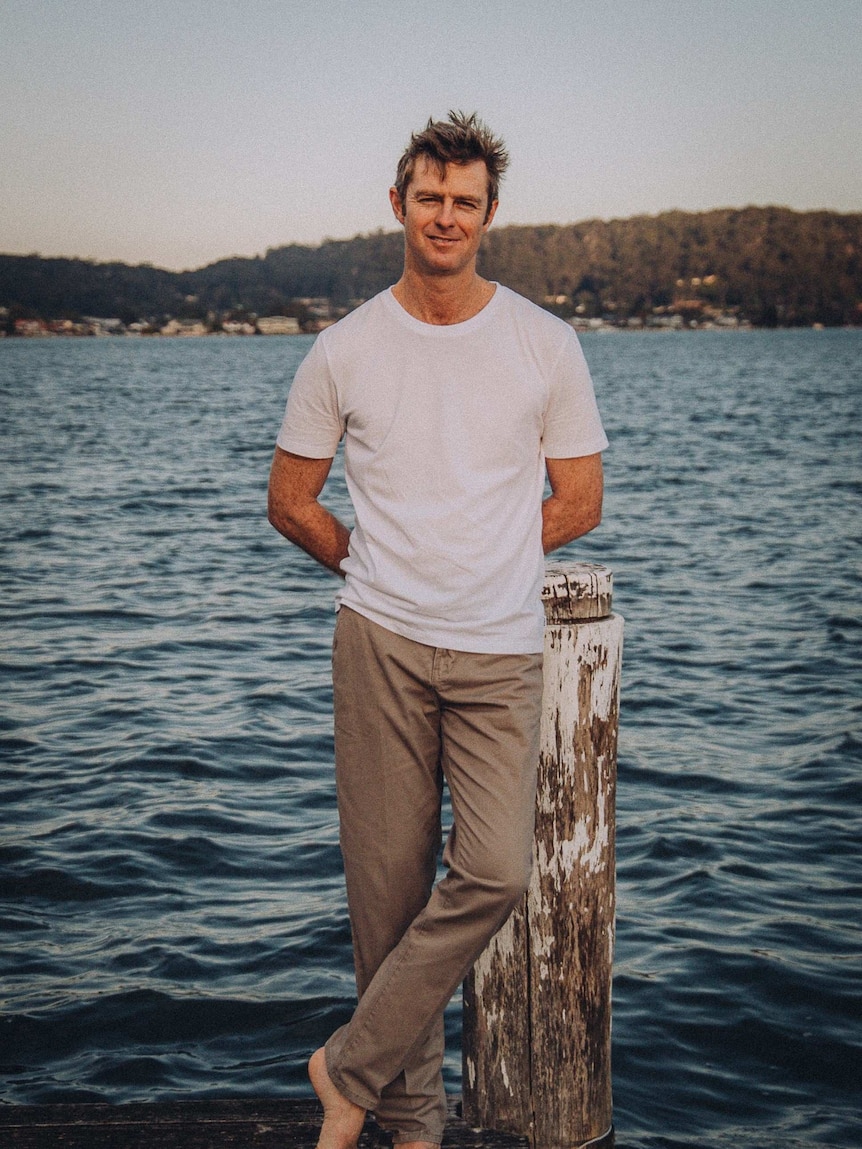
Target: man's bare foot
[{"x": 342, "y": 1120}]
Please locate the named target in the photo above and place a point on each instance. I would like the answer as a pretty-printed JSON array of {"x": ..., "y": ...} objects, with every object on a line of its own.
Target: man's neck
[{"x": 443, "y": 300}]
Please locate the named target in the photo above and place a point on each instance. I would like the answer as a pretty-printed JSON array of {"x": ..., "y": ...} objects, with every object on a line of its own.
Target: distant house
[
  {"x": 99, "y": 326},
  {"x": 185, "y": 327},
  {"x": 31, "y": 327},
  {"x": 278, "y": 325}
]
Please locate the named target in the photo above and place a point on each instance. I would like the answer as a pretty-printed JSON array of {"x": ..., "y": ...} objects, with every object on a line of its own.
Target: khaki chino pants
[{"x": 408, "y": 716}]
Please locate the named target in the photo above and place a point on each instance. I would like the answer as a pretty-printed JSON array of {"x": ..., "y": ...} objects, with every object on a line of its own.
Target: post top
[{"x": 574, "y": 591}]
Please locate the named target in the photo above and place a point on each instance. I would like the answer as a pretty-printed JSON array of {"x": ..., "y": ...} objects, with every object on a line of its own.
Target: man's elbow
[
  {"x": 273, "y": 512},
  {"x": 591, "y": 494},
  {"x": 594, "y": 516},
  {"x": 279, "y": 513},
  {"x": 588, "y": 520}
]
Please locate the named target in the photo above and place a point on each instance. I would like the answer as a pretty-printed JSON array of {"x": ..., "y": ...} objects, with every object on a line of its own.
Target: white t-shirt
[{"x": 446, "y": 429}]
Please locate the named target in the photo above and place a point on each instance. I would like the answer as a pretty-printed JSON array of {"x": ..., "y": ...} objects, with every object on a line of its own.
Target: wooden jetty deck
[{"x": 231, "y": 1124}]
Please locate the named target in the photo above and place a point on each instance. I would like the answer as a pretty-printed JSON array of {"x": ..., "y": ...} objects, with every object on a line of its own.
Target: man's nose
[{"x": 446, "y": 214}]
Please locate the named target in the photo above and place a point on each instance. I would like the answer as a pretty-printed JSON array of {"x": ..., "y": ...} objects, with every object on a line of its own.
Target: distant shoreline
[
  {"x": 46, "y": 331},
  {"x": 767, "y": 267}
]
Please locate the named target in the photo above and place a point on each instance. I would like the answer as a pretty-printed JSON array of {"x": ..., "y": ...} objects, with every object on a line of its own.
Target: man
[{"x": 454, "y": 397}]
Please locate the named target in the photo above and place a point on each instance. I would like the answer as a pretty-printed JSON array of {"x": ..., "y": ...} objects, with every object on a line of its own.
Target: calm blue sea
[{"x": 172, "y": 911}]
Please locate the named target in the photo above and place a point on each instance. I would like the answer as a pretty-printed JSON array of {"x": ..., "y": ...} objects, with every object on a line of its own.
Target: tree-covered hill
[
  {"x": 773, "y": 264},
  {"x": 767, "y": 265}
]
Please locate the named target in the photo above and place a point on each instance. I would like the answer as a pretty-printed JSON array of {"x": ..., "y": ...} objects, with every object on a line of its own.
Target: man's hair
[{"x": 460, "y": 140}]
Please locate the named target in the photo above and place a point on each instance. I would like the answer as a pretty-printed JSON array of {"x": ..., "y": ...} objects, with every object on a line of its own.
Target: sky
[{"x": 181, "y": 133}]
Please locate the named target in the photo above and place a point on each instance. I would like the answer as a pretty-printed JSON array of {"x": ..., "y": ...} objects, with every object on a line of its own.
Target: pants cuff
[{"x": 330, "y": 1050}]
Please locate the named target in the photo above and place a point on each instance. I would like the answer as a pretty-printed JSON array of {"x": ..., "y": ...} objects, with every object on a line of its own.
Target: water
[{"x": 171, "y": 904}]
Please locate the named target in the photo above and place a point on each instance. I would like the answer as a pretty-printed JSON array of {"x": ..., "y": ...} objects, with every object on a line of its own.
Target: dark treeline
[{"x": 770, "y": 266}]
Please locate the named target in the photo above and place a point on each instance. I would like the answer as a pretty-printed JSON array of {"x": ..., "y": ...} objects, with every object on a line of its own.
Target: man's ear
[
  {"x": 492, "y": 211},
  {"x": 397, "y": 206}
]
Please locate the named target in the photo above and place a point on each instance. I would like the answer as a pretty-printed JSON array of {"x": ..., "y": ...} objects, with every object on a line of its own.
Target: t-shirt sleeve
[
  {"x": 572, "y": 425},
  {"x": 312, "y": 426}
]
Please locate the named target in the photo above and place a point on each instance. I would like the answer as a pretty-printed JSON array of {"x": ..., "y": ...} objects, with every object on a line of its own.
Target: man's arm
[
  {"x": 575, "y": 503},
  {"x": 294, "y": 484}
]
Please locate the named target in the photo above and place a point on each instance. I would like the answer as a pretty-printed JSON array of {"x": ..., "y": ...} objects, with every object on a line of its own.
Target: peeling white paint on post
[{"x": 537, "y": 1006}]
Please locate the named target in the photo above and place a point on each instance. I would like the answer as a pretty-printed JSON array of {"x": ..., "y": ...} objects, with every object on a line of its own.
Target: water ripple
[{"x": 172, "y": 907}]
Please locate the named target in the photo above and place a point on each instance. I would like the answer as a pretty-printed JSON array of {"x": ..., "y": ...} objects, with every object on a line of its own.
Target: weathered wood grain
[
  {"x": 238, "y": 1124},
  {"x": 571, "y": 902},
  {"x": 574, "y": 591},
  {"x": 496, "y": 1032},
  {"x": 537, "y": 1022}
]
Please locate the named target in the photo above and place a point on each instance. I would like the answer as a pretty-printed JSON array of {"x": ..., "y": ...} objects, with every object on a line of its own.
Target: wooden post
[{"x": 537, "y": 1004}]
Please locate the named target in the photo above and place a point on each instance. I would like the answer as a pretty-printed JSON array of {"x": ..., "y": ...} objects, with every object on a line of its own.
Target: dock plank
[{"x": 227, "y": 1124}]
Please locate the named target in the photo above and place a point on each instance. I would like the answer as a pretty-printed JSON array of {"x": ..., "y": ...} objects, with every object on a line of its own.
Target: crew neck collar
[{"x": 479, "y": 319}]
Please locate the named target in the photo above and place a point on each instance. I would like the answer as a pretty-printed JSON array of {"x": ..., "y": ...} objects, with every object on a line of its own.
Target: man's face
[{"x": 444, "y": 217}]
